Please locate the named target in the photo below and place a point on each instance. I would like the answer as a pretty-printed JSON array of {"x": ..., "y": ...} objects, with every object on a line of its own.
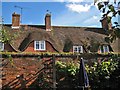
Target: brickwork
[
  {"x": 15, "y": 20},
  {"x": 49, "y": 48},
  {"x": 9, "y": 48},
  {"x": 48, "y": 22}
]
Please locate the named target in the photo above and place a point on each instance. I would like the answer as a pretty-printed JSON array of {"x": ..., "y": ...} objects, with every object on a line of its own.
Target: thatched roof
[{"x": 58, "y": 37}]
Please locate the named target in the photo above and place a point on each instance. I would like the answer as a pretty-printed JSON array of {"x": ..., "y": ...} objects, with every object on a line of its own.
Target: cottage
[{"x": 48, "y": 38}]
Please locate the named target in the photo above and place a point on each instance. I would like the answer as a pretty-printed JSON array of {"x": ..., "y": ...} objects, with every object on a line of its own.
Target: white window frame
[
  {"x": 1, "y": 46},
  {"x": 105, "y": 49},
  {"x": 40, "y": 43},
  {"x": 77, "y": 49},
  {"x": 15, "y": 27}
]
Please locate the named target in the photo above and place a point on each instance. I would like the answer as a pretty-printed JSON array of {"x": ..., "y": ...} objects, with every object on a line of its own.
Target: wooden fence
[{"x": 48, "y": 69}]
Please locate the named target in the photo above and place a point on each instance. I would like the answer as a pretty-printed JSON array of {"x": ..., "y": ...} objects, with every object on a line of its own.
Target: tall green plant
[
  {"x": 67, "y": 74},
  {"x": 100, "y": 74}
]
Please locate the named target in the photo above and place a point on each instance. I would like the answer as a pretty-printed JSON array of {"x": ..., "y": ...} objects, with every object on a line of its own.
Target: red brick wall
[
  {"x": 49, "y": 48},
  {"x": 48, "y": 21},
  {"x": 30, "y": 47},
  {"x": 104, "y": 23},
  {"x": 8, "y": 48},
  {"x": 15, "y": 19}
]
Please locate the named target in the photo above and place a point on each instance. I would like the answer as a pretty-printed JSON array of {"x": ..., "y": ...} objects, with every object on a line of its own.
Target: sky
[{"x": 63, "y": 12}]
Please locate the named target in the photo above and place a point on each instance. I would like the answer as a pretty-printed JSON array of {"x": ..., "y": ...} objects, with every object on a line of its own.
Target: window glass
[
  {"x": 42, "y": 45},
  {"x": 75, "y": 49},
  {"x": 106, "y": 49},
  {"x": 78, "y": 49},
  {"x": 39, "y": 45},
  {"x": 101, "y": 49}
]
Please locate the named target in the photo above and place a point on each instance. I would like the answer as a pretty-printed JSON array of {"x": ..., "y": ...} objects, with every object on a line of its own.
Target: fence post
[
  {"x": 54, "y": 73},
  {"x": 22, "y": 82}
]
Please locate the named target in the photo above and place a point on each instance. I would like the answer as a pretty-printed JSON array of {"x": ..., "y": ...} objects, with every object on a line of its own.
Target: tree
[
  {"x": 109, "y": 11},
  {"x": 5, "y": 35}
]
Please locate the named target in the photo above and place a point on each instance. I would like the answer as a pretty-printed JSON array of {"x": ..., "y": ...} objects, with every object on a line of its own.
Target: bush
[{"x": 101, "y": 75}]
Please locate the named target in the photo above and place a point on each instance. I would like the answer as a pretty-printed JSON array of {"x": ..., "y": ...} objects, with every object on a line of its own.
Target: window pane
[
  {"x": 101, "y": 49},
  {"x": 78, "y": 49},
  {"x": 42, "y": 45},
  {"x": 106, "y": 49},
  {"x": 37, "y": 45},
  {"x": 75, "y": 49}
]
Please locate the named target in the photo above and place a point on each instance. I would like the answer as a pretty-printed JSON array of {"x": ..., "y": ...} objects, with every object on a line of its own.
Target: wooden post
[
  {"x": 54, "y": 73},
  {"x": 22, "y": 81}
]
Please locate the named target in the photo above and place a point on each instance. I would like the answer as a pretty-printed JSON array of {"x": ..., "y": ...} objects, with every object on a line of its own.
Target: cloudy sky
[{"x": 64, "y": 12}]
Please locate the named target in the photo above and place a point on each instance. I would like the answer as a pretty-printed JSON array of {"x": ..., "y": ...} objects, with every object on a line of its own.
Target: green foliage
[
  {"x": 67, "y": 74},
  {"x": 11, "y": 60},
  {"x": 100, "y": 5},
  {"x": 6, "y": 36},
  {"x": 108, "y": 8},
  {"x": 111, "y": 8},
  {"x": 69, "y": 68},
  {"x": 101, "y": 75}
]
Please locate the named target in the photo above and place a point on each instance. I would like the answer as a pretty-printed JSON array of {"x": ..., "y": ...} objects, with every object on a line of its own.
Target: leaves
[
  {"x": 114, "y": 14},
  {"x": 6, "y": 36},
  {"x": 109, "y": 11},
  {"x": 70, "y": 68},
  {"x": 103, "y": 10},
  {"x": 100, "y": 5},
  {"x": 99, "y": 73},
  {"x": 115, "y": 22},
  {"x": 109, "y": 19},
  {"x": 111, "y": 8}
]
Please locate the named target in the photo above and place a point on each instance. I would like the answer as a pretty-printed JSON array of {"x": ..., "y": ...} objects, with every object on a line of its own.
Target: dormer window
[
  {"x": 39, "y": 45},
  {"x": 78, "y": 49},
  {"x": 15, "y": 27},
  {"x": 1, "y": 46},
  {"x": 104, "y": 49}
]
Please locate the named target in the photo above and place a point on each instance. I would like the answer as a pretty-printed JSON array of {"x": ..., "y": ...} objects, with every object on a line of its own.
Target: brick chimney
[
  {"x": 15, "y": 21},
  {"x": 105, "y": 24},
  {"x": 48, "y": 22}
]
